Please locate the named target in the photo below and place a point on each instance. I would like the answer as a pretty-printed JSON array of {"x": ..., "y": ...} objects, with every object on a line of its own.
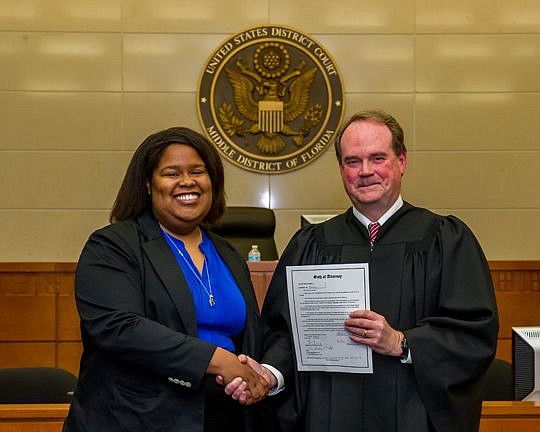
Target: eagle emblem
[{"x": 269, "y": 97}]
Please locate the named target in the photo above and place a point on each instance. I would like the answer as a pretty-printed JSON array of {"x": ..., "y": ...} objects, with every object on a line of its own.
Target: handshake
[{"x": 245, "y": 379}]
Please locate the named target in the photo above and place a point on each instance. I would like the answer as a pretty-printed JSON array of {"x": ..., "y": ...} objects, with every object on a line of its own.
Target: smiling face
[
  {"x": 370, "y": 169},
  {"x": 181, "y": 189}
]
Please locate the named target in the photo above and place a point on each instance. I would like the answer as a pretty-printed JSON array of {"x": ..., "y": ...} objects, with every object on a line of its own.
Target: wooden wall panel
[
  {"x": 27, "y": 317},
  {"x": 39, "y": 325},
  {"x": 68, "y": 356},
  {"x": 517, "y": 287},
  {"x": 67, "y": 323},
  {"x": 27, "y": 354},
  {"x": 33, "y": 283},
  {"x": 30, "y": 315},
  {"x": 517, "y": 309},
  {"x": 261, "y": 274}
]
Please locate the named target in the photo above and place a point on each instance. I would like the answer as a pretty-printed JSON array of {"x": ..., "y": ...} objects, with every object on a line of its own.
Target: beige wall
[{"x": 82, "y": 82}]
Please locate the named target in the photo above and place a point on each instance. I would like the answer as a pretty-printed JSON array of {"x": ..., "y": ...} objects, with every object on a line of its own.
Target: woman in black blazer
[{"x": 165, "y": 305}]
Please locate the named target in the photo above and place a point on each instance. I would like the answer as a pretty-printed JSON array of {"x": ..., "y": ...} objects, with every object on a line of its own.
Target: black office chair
[
  {"x": 498, "y": 382},
  {"x": 36, "y": 385},
  {"x": 246, "y": 226}
]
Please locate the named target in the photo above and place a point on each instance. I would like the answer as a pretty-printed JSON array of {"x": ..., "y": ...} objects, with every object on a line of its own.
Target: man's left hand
[{"x": 369, "y": 328}]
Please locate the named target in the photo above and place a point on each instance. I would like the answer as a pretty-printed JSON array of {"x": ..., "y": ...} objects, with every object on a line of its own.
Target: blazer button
[
  {"x": 188, "y": 384},
  {"x": 182, "y": 382},
  {"x": 170, "y": 379},
  {"x": 176, "y": 381}
]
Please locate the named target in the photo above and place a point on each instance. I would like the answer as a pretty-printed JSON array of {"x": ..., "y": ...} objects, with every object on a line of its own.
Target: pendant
[{"x": 211, "y": 300}]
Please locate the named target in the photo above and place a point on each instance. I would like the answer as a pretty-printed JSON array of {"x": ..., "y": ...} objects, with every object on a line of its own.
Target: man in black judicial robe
[{"x": 433, "y": 321}]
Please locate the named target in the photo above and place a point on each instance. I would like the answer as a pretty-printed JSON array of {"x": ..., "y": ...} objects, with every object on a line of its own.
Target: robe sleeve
[{"x": 455, "y": 340}]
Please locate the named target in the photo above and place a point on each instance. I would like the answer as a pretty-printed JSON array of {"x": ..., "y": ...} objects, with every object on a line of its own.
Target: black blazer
[{"x": 143, "y": 367}]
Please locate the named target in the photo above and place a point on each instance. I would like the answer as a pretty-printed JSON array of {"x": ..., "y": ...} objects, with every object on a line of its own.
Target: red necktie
[{"x": 373, "y": 231}]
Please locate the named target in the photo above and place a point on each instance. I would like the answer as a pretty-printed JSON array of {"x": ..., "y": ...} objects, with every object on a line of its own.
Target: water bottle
[{"x": 254, "y": 254}]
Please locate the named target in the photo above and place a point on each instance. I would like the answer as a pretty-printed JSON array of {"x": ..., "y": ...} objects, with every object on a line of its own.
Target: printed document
[{"x": 320, "y": 299}]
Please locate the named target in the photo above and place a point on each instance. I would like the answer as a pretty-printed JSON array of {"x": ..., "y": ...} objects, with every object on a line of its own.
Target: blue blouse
[{"x": 219, "y": 323}]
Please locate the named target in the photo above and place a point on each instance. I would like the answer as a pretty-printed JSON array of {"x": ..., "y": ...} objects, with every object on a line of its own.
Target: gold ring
[{"x": 365, "y": 333}]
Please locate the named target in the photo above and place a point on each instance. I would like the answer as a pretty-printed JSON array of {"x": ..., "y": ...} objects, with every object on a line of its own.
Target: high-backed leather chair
[
  {"x": 246, "y": 226},
  {"x": 36, "y": 385}
]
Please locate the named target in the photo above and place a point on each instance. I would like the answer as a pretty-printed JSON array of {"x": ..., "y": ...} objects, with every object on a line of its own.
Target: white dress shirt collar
[{"x": 387, "y": 215}]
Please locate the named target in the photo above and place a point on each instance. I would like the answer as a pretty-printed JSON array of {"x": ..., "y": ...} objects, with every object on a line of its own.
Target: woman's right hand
[
  {"x": 236, "y": 388},
  {"x": 229, "y": 367}
]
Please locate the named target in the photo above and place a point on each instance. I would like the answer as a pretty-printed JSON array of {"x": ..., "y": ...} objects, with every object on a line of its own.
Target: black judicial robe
[{"x": 428, "y": 278}]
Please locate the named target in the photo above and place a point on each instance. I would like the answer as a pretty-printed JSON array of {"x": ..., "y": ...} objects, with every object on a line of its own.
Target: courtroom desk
[
  {"x": 503, "y": 416},
  {"x": 496, "y": 417},
  {"x": 32, "y": 417}
]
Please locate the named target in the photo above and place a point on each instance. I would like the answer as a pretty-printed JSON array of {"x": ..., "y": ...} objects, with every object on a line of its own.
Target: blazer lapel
[{"x": 168, "y": 270}]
